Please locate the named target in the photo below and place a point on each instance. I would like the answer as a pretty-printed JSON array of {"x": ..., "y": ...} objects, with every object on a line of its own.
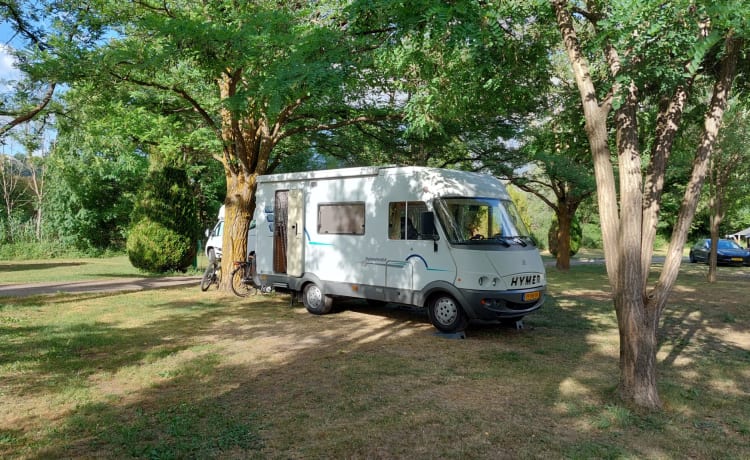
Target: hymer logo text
[{"x": 525, "y": 280}]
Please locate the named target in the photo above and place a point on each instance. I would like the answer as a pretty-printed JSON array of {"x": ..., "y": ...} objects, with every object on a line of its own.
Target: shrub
[
  {"x": 166, "y": 226},
  {"x": 155, "y": 248},
  {"x": 167, "y": 198}
]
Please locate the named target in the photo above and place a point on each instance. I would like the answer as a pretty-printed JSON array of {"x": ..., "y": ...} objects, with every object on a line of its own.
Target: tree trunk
[
  {"x": 638, "y": 347},
  {"x": 37, "y": 187},
  {"x": 565, "y": 214},
  {"x": 38, "y": 223},
  {"x": 712, "y": 254},
  {"x": 247, "y": 147},
  {"x": 239, "y": 207}
]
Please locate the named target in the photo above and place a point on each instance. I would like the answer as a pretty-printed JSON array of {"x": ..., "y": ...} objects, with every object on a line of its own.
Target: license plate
[
  {"x": 529, "y": 296},
  {"x": 736, "y": 259}
]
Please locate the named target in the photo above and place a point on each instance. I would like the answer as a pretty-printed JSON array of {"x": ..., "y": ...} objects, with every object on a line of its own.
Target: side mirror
[
  {"x": 427, "y": 225},
  {"x": 208, "y": 232}
]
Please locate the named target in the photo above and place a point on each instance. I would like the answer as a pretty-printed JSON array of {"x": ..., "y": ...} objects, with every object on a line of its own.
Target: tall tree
[
  {"x": 728, "y": 175},
  {"x": 552, "y": 161},
  {"x": 622, "y": 55},
  {"x": 238, "y": 79},
  {"x": 471, "y": 74},
  {"x": 32, "y": 138},
  {"x": 95, "y": 170},
  {"x": 14, "y": 194}
]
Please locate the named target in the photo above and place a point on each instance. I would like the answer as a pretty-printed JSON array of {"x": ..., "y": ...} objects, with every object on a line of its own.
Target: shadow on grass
[
  {"x": 382, "y": 372},
  {"x": 101, "y": 288},
  {"x": 22, "y": 267},
  {"x": 179, "y": 418}
]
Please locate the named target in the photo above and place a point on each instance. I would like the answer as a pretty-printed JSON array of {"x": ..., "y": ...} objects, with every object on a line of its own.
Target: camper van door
[{"x": 295, "y": 233}]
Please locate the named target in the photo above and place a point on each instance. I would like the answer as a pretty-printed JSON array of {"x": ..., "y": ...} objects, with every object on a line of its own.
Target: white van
[
  {"x": 215, "y": 236},
  {"x": 449, "y": 241}
]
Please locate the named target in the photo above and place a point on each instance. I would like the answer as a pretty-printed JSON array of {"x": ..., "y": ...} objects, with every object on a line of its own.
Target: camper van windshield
[{"x": 481, "y": 220}]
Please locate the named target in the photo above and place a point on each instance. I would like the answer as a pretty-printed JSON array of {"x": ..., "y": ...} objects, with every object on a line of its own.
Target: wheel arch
[
  {"x": 298, "y": 284},
  {"x": 437, "y": 288}
]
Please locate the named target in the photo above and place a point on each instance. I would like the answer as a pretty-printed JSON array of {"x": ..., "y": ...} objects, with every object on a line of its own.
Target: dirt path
[{"x": 112, "y": 285}]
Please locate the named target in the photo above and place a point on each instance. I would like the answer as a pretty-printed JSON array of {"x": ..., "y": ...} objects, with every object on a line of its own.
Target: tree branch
[
  {"x": 722, "y": 86},
  {"x": 180, "y": 92},
  {"x": 340, "y": 124},
  {"x": 26, "y": 116},
  {"x": 22, "y": 26}
]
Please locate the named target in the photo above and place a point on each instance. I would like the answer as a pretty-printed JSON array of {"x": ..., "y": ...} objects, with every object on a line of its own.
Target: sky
[{"x": 7, "y": 71}]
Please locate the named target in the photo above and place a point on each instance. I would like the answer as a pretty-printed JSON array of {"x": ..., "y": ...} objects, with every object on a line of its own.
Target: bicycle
[
  {"x": 212, "y": 275},
  {"x": 243, "y": 278}
]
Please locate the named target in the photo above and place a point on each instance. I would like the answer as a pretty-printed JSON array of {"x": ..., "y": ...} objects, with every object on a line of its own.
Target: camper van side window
[
  {"x": 341, "y": 218},
  {"x": 404, "y": 219}
]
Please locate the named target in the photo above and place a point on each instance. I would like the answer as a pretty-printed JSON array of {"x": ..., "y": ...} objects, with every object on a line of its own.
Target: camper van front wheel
[
  {"x": 446, "y": 314},
  {"x": 315, "y": 301}
]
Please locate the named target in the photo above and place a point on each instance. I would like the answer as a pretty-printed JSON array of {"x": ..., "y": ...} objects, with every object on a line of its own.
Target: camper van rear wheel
[
  {"x": 446, "y": 314},
  {"x": 315, "y": 301}
]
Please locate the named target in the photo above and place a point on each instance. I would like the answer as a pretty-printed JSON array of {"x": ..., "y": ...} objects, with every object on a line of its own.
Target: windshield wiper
[{"x": 513, "y": 239}]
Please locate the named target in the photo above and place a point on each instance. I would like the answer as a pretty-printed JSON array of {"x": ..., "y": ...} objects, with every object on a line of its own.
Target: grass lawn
[
  {"x": 184, "y": 374},
  {"x": 66, "y": 270}
]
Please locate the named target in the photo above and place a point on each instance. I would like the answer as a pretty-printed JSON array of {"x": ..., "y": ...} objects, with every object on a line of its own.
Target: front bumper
[
  {"x": 730, "y": 260},
  {"x": 493, "y": 305}
]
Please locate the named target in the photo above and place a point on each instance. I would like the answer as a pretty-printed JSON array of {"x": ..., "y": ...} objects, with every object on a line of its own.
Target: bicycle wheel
[
  {"x": 240, "y": 287},
  {"x": 209, "y": 277},
  {"x": 217, "y": 274}
]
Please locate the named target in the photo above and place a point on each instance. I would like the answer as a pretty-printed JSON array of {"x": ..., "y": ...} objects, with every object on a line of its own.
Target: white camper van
[{"x": 449, "y": 241}]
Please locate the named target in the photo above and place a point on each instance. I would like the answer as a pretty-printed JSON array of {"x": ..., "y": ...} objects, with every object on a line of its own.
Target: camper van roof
[
  {"x": 431, "y": 182},
  {"x": 362, "y": 171},
  {"x": 323, "y": 174}
]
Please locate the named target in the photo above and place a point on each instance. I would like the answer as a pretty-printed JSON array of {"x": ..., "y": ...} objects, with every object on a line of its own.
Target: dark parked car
[{"x": 728, "y": 253}]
